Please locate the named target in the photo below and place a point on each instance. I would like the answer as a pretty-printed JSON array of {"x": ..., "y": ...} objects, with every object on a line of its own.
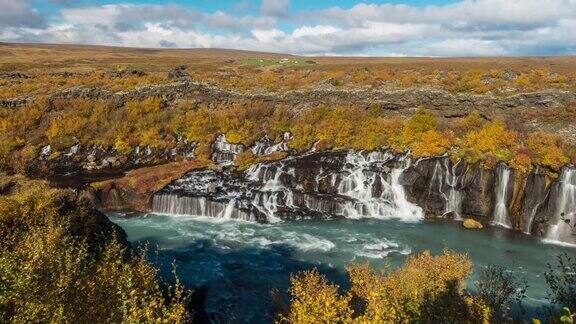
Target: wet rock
[{"x": 470, "y": 223}]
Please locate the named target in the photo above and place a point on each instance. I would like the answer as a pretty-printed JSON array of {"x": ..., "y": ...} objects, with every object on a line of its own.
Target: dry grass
[{"x": 83, "y": 56}]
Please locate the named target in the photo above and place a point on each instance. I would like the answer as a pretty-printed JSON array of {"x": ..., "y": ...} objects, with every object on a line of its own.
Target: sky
[{"x": 305, "y": 27}]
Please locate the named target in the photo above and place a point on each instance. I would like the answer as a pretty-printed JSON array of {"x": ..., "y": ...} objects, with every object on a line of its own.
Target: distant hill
[{"x": 52, "y": 55}]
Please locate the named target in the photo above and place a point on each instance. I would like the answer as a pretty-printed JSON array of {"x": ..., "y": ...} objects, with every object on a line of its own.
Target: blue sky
[{"x": 312, "y": 27}]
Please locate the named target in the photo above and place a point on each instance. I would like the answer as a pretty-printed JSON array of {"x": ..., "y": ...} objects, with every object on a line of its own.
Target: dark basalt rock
[
  {"x": 14, "y": 75},
  {"x": 79, "y": 159},
  {"x": 127, "y": 73},
  {"x": 535, "y": 195},
  {"x": 179, "y": 73}
]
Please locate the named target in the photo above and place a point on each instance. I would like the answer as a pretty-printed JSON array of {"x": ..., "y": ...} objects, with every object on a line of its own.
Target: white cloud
[
  {"x": 468, "y": 27},
  {"x": 464, "y": 47}
]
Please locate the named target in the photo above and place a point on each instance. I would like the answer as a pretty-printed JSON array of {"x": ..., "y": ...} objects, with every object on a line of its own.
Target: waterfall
[
  {"x": 444, "y": 177},
  {"x": 352, "y": 184},
  {"x": 265, "y": 145},
  {"x": 564, "y": 218},
  {"x": 273, "y": 192},
  {"x": 437, "y": 178},
  {"x": 225, "y": 152},
  {"x": 361, "y": 177},
  {"x": 196, "y": 206},
  {"x": 500, "y": 214},
  {"x": 454, "y": 198},
  {"x": 528, "y": 226},
  {"x": 534, "y": 198}
]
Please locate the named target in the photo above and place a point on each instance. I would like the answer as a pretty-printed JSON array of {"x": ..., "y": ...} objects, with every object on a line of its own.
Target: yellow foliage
[
  {"x": 419, "y": 123},
  {"x": 245, "y": 159},
  {"x": 53, "y": 269},
  {"x": 401, "y": 295},
  {"x": 199, "y": 125},
  {"x": 546, "y": 148},
  {"x": 121, "y": 146},
  {"x": 426, "y": 289},
  {"x": 337, "y": 126},
  {"x": 314, "y": 300},
  {"x": 430, "y": 143},
  {"x": 493, "y": 139}
]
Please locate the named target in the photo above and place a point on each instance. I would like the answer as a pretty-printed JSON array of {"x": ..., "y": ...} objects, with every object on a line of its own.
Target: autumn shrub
[
  {"x": 422, "y": 121},
  {"x": 199, "y": 125},
  {"x": 51, "y": 277},
  {"x": 522, "y": 160},
  {"x": 493, "y": 139},
  {"x": 427, "y": 289},
  {"x": 245, "y": 159},
  {"x": 273, "y": 157},
  {"x": 378, "y": 132},
  {"x": 61, "y": 261},
  {"x": 472, "y": 121},
  {"x": 430, "y": 143},
  {"x": 547, "y": 149},
  {"x": 63, "y": 123},
  {"x": 338, "y": 126},
  {"x": 315, "y": 300}
]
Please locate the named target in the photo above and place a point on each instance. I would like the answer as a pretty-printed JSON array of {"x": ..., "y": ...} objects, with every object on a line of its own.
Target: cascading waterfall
[
  {"x": 225, "y": 152},
  {"x": 541, "y": 197},
  {"x": 272, "y": 193},
  {"x": 443, "y": 176},
  {"x": 352, "y": 185},
  {"x": 266, "y": 146},
  {"x": 196, "y": 206},
  {"x": 564, "y": 218},
  {"x": 360, "y": 180},
  {"x": 454, "y": 198},
  {"x": 500, "y": 214}
]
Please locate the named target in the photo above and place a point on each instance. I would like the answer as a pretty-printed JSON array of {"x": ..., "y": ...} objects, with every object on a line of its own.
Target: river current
[{"x": 238, "y": 263}]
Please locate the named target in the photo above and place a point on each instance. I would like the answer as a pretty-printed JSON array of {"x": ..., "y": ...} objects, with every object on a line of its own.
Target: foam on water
[{"x": 225, "y": 254}]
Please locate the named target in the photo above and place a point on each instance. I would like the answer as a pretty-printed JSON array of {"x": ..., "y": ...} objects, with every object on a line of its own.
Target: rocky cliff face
[
  {"x": 80, "y": 159},
  {"x": 337, "y": 184},
  {"x": 348, "y": 184}
]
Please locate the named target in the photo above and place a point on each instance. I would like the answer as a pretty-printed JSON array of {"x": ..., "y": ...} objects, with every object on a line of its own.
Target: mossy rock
[{"x": 470, "y": 223}]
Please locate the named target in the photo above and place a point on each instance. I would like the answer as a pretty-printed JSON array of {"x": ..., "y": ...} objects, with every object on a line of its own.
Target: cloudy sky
[{"x": 309, "y": 27}]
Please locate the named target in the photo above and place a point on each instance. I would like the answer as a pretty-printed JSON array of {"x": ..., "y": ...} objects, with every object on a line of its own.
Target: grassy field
[
  {"x": 35, "y": 56},
  {"x": 245, "y": 70}
]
